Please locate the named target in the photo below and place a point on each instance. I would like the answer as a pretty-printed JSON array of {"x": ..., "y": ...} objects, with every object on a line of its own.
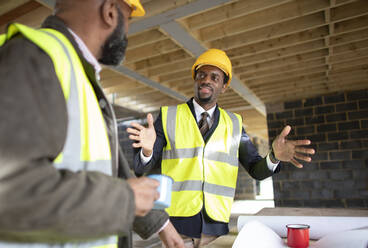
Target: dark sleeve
[
  {"x": 158, "y": 147},
  {"x": 39, "y": 203},
  {"x": 150, "y": 224},
  {"x": 251, "y": 160},
  {"x": 155, "y": 219}
]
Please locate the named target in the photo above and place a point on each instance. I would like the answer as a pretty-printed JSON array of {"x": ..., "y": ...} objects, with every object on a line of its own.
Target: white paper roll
[{"x": 319, "y": 225}]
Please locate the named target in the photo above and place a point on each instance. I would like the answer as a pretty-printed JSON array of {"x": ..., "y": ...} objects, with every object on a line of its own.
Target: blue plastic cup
[{"x": 164, "y": 189}]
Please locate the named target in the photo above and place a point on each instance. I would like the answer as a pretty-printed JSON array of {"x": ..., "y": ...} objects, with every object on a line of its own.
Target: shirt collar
[
  {"x": 87, "y": 54},
  {"x": 199, "y": 110}
]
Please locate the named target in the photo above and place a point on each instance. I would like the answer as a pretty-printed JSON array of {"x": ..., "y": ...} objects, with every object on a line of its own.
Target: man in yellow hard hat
[
  {"x": 200, "y": 145},
  {"x": 59, "y": 151}
]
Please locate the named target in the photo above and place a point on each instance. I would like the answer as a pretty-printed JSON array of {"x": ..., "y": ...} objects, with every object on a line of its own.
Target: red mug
[{"x": 298, "y": 235}]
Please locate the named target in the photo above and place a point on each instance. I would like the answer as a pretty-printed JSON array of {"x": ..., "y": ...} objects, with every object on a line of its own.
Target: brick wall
[{"x": 337, "y": 124}]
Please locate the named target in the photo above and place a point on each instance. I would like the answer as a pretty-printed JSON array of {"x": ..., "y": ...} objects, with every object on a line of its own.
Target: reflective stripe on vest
[
  {"x": 200, "y": 170},
  {"x": 87, "y": 146}
]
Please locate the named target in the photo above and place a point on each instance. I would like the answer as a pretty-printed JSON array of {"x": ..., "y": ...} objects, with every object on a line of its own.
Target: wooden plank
[
  {"x": 351, "y": 25},
  {"x": 122, "y": 86},
  {"x": 247, "y": 75},
  {"x": 10, "y": 6},
  {"x": 286, "y": 76},
  {"x": 33, "y": 18},
  {"x": 288, "y": 60},
  {"x": 233, "y": 10},
  {"x": 280, "y": 42},
  {"x": 287, "y": 12},
  {"x": 186, "y": 73},
  {"x": 269, "y": 32},
  {"x": 162, "y": 59},
  {"x": 349, "y": 37},
  {"x": 348, "y": 11},
  {"x": 292, "y": 81},
  {"x": 150, "y": 50},
  {"x": 347, "y": 64},
  {"x": 349, "y": 47},
  {"x": 170, "y": 68},
  {"x": 137, "y": 94},
  {"x": 280, "y": 53},
  {"x": 145, "y": 38},
  {"x": 349, "y": 55}
]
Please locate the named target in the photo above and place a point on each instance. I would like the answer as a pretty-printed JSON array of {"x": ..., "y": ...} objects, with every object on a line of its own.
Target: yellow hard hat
[
  {"x": 214, "y": 57},
  {"x": 137, "y": 7}
]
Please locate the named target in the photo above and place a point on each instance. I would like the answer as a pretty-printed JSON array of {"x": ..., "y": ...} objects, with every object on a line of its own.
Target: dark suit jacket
[{"x": 249, "y": 158}]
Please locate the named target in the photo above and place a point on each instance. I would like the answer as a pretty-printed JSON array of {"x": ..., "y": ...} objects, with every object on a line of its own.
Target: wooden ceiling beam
[
  {"x": 288, "y": 12},
  {"x": 173, "y": 77},
  {"x": 123, "y": 86},
  {"x": 257, "y": 74},
  {"x": 151, "y": 50},
  {"x": 170, "y": 68},
  {"x": 301, "y": 24},
  {"x": 134, "y": 92},
  {"x": 230, "y": 11},
  {"x": 161, "y": 60},
  {"x": 293, "y": 87},
  {"x": 350, "y": 10},
  {"x": 279, "y": 53},
  {"x": 145, "y": 38},
  {"x": 278, "y": 43},
  {"x": 350, "y": 25},
  {"x": 271, "y": 85},
  {"x": 347, "y": 64},
  {"x": 171, "y": 15},
  {"x": 346, "y": 38},
  {"x": 286, "y": 76},
  {"x": 341, "y": 57},
  {"x": 280, "y": 62},
  {"x": 10, "y": 10},
  {"x": 146, "y": 81},
  {"x": 349, "y": 47}
]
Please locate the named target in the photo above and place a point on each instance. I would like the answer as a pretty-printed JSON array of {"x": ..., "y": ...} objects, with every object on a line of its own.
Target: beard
[{"x": 113, "y": 50}]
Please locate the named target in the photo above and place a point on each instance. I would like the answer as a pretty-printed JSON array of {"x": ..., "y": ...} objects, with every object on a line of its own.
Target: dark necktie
[{"x": 203, "y": 124}]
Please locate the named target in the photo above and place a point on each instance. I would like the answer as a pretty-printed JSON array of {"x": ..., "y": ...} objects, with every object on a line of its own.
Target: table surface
[{"x": 284, "y": 211}]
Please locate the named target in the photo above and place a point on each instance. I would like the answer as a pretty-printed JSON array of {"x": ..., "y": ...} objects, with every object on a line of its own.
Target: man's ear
[
  {"x": 224, "y": 87},
  {"x": 109, "y": 13}
]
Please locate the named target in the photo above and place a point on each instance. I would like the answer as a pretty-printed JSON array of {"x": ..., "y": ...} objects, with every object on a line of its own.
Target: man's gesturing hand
[
  {"x": 143, "y": 137},
  {"x": 145, "y": 193},
  {"x": 290, "y": 150}
]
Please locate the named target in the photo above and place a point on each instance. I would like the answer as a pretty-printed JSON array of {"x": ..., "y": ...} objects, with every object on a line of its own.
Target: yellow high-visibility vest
[
  {"x": 87, "y": 144},
  {"x": 203, "y": 173}
]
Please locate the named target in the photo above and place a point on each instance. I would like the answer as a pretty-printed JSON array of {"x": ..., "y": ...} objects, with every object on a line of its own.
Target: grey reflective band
[
  {"x": 218, "y": 190},
  {"x": 103, "y": 166},
  {"x": 222, "y": 157},
  {"x": 72, "y": 147},
  {"x": 189, "y": 185},
  {"x": 112, "y": 240},
  {"x": 182, "y": 153},
  {"x": 236, "y": 135},
  {"x": 171, "y": 125},
  {"x": 196, "y": 185},
  {"x": 230, "y": 158}
]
